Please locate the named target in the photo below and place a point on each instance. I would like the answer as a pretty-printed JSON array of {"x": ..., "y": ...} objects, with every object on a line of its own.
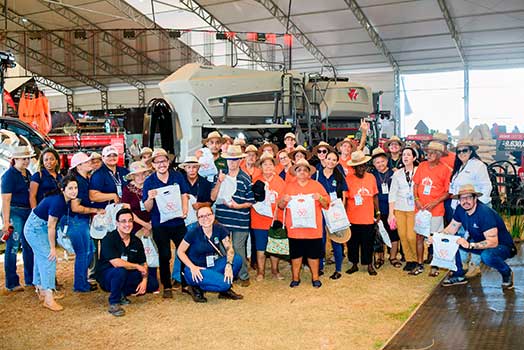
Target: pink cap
[
  {"x": 79, "y": 158},
  {"x": 109, "y": 150}
]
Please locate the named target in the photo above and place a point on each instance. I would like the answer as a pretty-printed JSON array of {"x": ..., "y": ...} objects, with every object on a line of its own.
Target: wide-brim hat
[
  {"x": 265, "y": 156},
  {"x": 392, "y": 139},
  {"x": 324, "y": 145},
  {"x": 137, "y": 168},
  {"x": 213, "y": 135},
  {"x": 377, "y": 152},
  {"x": 190, "y": 160},
  {"x": 440, "y": 137},
  {"x": 466, "y": 189},
  {"x": 302, "y": 162},
  {"x": 160, "y": 152},
  {"x": 300, "y": 149},
  {"x": 95, "y": 155},
  {"x": 239, "y": 141},
  {"x": 145, "y": 150},
  {"x": 436, "y": 146},
  {"x": 346, "y": 140},
  {"x": 268, "y": 144},
  {"x": 18, "y": 152},
  {"x": 251, "y": 148},
  {"x": 358, "y": 158},
  {"x": 233, "y": 152},
  {"x": 79, "y": 158},
  {"x": 466, "y": 143},
  {"x": 340, "y": 236}
]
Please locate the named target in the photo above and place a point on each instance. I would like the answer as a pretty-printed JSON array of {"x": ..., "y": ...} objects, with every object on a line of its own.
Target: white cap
[{"x": 109, "y": 150}]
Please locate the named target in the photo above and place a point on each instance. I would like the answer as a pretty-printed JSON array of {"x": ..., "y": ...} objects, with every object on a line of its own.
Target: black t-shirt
[{"x": 113, "y": 247}]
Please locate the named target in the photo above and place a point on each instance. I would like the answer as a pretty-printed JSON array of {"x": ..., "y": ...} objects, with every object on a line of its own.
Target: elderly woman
[
  {"x": 47, "y": 178},
  {"x": 260, "y": 223},
  {"x": 304, "y": 242},
  {"x": 15, "y": 211},
  {"x": 300, "y": 153},
  {"x": 207, "y": 269},
  {"x": 40, "y": 232},
  {"x": 248, "y": 164},
  {"x": 363, "y": 211},
  {"x": 132, "y": 194}
]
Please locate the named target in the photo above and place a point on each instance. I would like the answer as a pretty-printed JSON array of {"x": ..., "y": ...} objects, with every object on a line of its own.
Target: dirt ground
[{"x": 354, "y": 312}]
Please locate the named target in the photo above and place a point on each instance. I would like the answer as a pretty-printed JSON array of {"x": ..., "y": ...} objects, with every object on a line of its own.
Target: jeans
[
  {"x": 121, "y": 282},
  {"x": 474, "y": 259},
  {"x": 213, "y": 277},
  {"x": 324, "y": 238},
  {"x": 239, "y": 239},
  {"x": 18, "y": 219},
  {"x": 94, "y": 261},
  {"x": 84, "y": 248},
  {"x": 492, "y": 257},
  {"x": 177, "y": 264},
  {"x": 163, "y": 237},
  {"x": 338, "y": 253},
  {"x": 44, "y": 271}
]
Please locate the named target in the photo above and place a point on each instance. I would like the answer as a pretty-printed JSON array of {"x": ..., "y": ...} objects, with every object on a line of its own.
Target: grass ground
[{"x": 354, "y": 312}]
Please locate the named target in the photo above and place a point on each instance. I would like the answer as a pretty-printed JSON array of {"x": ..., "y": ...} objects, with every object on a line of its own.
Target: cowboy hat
[
  {"x": 190, "y": 160},
  {"x": 466, "y": 189},
  {"x": 136, "y": 168},
  {"x": 440, "y": 137},
  {"x": 95, "y": 155},
  {"x": 239, "y": 141},
  {"x": 265, "y": 156},
  {"x": 346, "y": 140},
  {"x": 213, "y": 135},
  {"x": 377, "y": 152},
  {"x": 160, "y": 152},
  {"x": 233, "y": 152},
  {"x": 302, "y": 162},
  {"x": 392, "y": 139},
  {"x": 79, "y": 158},
  {"x": 18, "y": 152},
  {"x": 268, "y": 144},
  {"x": 467, "y": 143},
  {"x": 300, "y": 149},
  {"x": 322, "y": 144},
  {"x": 436, "y": 146},
  {"x": 251, "y": 148},
  {"x": 358, "y": 158},
  {"x": 145, "y": 150},
  {"x": 339, "y": 236}
]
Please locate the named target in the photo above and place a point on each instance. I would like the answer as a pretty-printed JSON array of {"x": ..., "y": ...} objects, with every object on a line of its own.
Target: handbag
[{"x": 277, "y": 240}]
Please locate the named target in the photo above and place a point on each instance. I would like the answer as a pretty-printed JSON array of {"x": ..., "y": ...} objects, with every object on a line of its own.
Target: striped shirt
[{"x": 237, "y": 219}]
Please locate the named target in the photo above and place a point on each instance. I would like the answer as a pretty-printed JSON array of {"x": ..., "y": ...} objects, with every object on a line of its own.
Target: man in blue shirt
[{"x": 486, "y": 234}]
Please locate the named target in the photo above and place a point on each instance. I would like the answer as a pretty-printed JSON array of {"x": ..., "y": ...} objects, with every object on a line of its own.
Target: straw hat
[
  {"x": 440, "y": 137},
  {"x": 268, "y": 144},
  {"x": 302, "y": 162},
  {"x": 392, "y": 139},
  {"x": 265, "y": 156},
  {"x": 300, "y": 149},
  {"x": 239, "y": 141},
  {"x": 160, "y": 152},
  {"x": 145, "y": 150},
  {"x": 233, "y": 152},
  {"x": 436, "y": 146},
  {"x": 18, "y": 152},
  {"x": 322, "y": 144},
  {"x": 79, "y": 158},
  {"x": 339, "y": 236},
  {"x": 466, "y": 143},
  {"x": 466, "y": 189},
  {"x": 377, "y": 152},
  {"x": 346, "y": 140},
  {"x": 213, "y": 135},
  {"x": 95, "y": 155},
  {"x": 136, "y": 168},
  {"x": 358, "y": 158},
  {"x": 251, "y": 148},
  {"x": 190, "y": 160},
  {"x": 290, "y": 134}
]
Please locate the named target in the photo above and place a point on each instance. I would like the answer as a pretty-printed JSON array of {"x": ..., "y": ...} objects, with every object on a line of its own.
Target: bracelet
[
  {"x": 229, "y": 263},
  {"x": 470, "y": 245}
]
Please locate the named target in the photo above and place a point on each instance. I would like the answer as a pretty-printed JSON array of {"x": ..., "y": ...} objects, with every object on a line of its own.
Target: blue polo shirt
[
  {"x": 18, "y": 185},
  {"x": 46, "y": 183},
  {"x": 484, "y": 218},
  {"x": 331, "y": 184},
  {"x": 383, "y": 198},
  {"x": 54, "y": 205},
  {"x": 199, "y": 247},
  {"x": 237, "y": 219},
  {"x": 152, "y": 183},
  {"x": 83, "y": 194},
  {"x": 105, "y": 181},
  {"x": 201, "y": 190}
]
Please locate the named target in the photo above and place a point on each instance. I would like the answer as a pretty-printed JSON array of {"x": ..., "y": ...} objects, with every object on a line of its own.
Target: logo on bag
[
  {"x": 170, "y": 206},
  {"x": 301, "y": 211},
  {"x": 443, "y": 253}
]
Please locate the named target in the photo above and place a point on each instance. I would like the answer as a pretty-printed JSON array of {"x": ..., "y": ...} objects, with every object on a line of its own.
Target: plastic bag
[
  {"x": 383, "y": 234},
  {"x": 445, "y": 248},
  {"x": 423, "y": 223},
  {"x": 111, "y": 210},
  {"x": 207, "y": 164},
  {"x": 191, "y": 217},
  {"x": 336, "y": 216},
  {"x": 228, "y": 187},
  {"x": 151, "y": 252},
  {"x": 169, "y": 202},
  {"x": 264, "y": 207},
  {"x": 302, "y": 208}
]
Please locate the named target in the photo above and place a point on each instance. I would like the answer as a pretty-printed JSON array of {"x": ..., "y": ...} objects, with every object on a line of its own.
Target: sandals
[
  {"x": 316, "y": 284},
  {"x": 396, "y": 263},
  {"x": 417, "y": 270},
  {"x": 378, "y": 263},
  {"x": 294, "y": 284},
  {"x": 434, "y": 272}
]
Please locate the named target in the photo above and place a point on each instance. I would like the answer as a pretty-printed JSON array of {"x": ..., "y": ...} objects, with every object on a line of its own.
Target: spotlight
[
  {"x": 175, "y": 34},
  {"x": 80, "y": 34},
  {"x": 129, "y": 34}
]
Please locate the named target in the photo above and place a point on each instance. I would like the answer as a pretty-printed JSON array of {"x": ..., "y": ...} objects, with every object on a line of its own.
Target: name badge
[
  {"x": 119, "y": 190},
  {"x": 411, "y": 200},
  {"x": 210, "y": 260},
  {"x": 64, "y": 230},
  {"x": 385, "y": 188},
  {"x": 427, "y": 190},
  {"x": 358, "y": 200},
  {"x": 272, "y": 197},
  {"x": 124, "y": 257},
  {"x": 333, "y": 196},
  {"x": 142, "y": 206}
]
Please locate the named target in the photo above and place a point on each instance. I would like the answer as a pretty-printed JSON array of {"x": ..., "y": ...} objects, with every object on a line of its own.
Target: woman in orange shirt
[
  {"x": 363, "y": 211},
  {"x": 304, "y": 242},
  {"x": 260, "y": 223},
  {"x": 248, "y": 164}
]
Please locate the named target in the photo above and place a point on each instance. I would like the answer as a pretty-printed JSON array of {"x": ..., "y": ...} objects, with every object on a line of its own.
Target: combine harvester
[{"x": 261, "y": 105}]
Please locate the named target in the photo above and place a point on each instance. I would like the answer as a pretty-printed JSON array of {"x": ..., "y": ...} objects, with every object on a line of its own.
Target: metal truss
[
  {"x": 396, "y": 102},
  {"x": 141, "y": 98},
  {"x": 104, "y": 101},
  {"x": 53, "y": 84},
  {"x": 70, "y": 103},
  {"x": 293, "y": 29},
  {"x": 247, "y": 49},
  {"x": 107, "y": 37},
  {"x": 372, "y": 32},
  {"x": 453, "y": 30}
]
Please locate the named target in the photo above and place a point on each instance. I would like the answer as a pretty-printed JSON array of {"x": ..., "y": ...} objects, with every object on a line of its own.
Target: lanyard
[
  {"x": 383, "y": 179},
  {"x": 116, "y": 178}
]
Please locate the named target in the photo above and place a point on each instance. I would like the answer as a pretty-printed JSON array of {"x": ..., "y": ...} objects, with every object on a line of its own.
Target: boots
[{"x": 49, "y": 301}]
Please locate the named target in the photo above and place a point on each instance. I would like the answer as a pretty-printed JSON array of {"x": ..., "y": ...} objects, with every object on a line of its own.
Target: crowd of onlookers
[{"x": 223, "y": 207}]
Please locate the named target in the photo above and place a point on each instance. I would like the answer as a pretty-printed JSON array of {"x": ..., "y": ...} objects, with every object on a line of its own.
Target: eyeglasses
[
  {"x": 205, "y": 216},
  {"x": 322, "y": 151},
  {"x": 130, "y": 221},
  {"x": 165, "y": 161},
  {"x": 302, "y": 169},
  {"x": 431, "y": 153},
  {"x": 468, "y": 197},
  {"x": 463, "y": 150}
]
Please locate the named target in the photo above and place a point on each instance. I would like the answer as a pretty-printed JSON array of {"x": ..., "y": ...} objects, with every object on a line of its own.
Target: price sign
[{"x": 510, "y": 142}]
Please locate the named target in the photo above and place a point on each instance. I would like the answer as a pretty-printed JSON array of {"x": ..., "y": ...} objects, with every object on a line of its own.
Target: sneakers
[
  {"x": 316, "y": 284},
  {"x": 230, "y": 294},
  {"x": 294, "y": 284},
  {"x": 197, "y": 294},
  {"x": 125, "y": 301},
  {"x": 473, "y": 271},
  {"x": 507, "y": 281},
  {"x": 454, "y": 281},
  {"x": 116, "y": 310},
  {"x": 168, "y": 293}
]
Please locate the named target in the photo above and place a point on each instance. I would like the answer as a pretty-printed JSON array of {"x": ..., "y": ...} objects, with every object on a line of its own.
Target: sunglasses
[
  {"x": 464, "y": 150},
  {"x": 322, "y": 151}
]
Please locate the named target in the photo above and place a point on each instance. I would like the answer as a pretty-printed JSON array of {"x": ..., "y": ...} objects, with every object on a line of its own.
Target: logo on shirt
[
  {"x": 133, "y": 250},
  {"x": 475, "y": 225},
  {"x": 362, "y": 191},
  {"x": 427, "y": 181},
  {"x": 215, "y": 240}
]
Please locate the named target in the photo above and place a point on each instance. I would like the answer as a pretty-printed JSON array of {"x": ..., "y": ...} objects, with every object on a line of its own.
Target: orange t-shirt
[
  {"x": 436, "y": 180},
  {"x": 362, "y": 214},
  {"x": 311, "y": 187},
  {"x": 449, "y": 159},
  {"x": 348, "y": 170},
  {"x": 276, "y": 187},
  {"x": 255, "y": 171}
]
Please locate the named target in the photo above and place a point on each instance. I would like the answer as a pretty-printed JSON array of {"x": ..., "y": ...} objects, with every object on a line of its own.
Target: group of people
[{"x": 225, "y": 216}]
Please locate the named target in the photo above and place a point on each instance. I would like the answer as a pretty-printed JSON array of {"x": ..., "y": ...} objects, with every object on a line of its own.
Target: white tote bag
[
  {"x": 445, "y": 248},
  {"x": 169, "y": 202},
  {"x": 336, "y": 216},
  {"x": 207, "y": 167},
  {"x": 423, "y": 223},
  {"x": 228, "y": 187},
  {"x": 302, "y": 209},
  {"x": 151, "y": 252},
  {"x": 384, "y": 233},
  {"x": 264, "y": 207},
  {"x": 191, "y": 217}
]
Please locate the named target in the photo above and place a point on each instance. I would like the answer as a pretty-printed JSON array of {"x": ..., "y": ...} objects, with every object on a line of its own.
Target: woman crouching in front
[{"x": 207, "y": 269}]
